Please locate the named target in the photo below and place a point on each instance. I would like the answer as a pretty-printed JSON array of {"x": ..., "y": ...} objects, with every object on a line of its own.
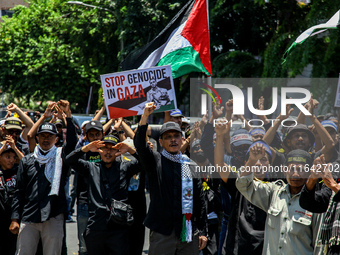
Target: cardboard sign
[{"x": 126, "y": 93}]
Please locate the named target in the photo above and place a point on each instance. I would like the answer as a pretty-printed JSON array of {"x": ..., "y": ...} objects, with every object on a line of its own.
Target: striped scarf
[
  {"x": 330, "y": 228},
  {"x": 187, "y": 193}
]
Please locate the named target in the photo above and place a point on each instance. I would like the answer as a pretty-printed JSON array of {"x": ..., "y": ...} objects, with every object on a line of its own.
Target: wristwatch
[{"x": 120, "y": 132}]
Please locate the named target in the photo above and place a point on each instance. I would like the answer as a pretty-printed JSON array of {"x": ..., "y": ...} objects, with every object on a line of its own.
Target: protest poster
[
  {"x": 126, "y": 93},
  {"x": 337, "y": 95}
]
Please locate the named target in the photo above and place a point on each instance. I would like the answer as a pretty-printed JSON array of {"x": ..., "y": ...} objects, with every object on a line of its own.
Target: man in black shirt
[
  {"x": 102, "y": 236},
  {"x": 94, "y": 132},
  {"x": 176, "y": 196},
  {"x": 39, "y": 202}
]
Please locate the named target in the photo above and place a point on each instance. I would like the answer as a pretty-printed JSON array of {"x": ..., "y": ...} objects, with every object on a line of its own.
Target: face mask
[
  {"x": 239, "y": 155},
  {"x": 199, "y": 157}
]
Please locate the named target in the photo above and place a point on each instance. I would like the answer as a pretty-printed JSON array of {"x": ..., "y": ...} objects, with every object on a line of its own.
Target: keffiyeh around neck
[
  {"x": 187, "y": 193},
  {"x": 53, "y": 166},
  {"x": 330, "y": 228}
]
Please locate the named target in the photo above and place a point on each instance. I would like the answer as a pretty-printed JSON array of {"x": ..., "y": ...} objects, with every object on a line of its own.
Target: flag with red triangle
[{"x": 184, "y": 44}]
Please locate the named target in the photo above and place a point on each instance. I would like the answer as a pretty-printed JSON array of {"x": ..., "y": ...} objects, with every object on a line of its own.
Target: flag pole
[{"x": 209, "y": 77}]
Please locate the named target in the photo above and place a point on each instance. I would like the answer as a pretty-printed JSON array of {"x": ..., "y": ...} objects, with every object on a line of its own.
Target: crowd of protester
[{"x": 245, "y": 209}]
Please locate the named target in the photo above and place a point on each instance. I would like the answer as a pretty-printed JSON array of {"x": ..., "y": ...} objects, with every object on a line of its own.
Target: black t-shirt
[
  {"x": 82, "y": 196},
  {"x": 246, "y": 223},
  {"x": 7, "y": 188}
]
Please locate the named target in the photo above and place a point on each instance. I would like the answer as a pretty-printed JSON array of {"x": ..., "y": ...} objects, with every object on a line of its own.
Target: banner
[{"x": 126, "y": 93}]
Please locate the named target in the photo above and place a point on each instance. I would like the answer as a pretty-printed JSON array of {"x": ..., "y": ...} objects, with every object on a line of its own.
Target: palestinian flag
[
  {"x": 183, "y": 44},
  {"x": 333, "y": 23}
]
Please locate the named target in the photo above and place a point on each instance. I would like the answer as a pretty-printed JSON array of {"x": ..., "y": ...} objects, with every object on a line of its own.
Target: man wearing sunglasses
[{"x": 13, "y": 128}]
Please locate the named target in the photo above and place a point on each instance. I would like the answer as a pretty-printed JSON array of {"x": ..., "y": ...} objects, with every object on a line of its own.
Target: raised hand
[
  {"x": 118, "y": 123},
  {"x": 217, "y": 109},
  {"x": 317, "y": 170},
  {"x": 222, "y": 127},
  {"x": 204, "y": 120},
  {"x": 313, "y": 103},
  {"x": 229, "y": 105},
  {"x": 149, "y": 108},
  {"x": 256, "y": 152},
  {"x": 10, "y": 141},
  {"x": 59, "y": 113},
  {"x": 261, "y": 103},
  {"x": 9, "y": 114},
  {"x": 48, "y": 112},
  {"x": 122, "y": 148},
  {"x": 94, "y": 146},
  {"x": 12, "y": 107},
  {"x": 64, "y": 105},
  {"x": 288, "y": 112}
]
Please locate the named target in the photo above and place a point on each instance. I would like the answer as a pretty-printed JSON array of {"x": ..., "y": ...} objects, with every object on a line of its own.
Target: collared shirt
[{"x": 289, "y": 228}]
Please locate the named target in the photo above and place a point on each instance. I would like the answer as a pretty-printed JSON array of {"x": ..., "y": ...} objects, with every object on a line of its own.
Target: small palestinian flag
[
  {"x": 183, "y": 44},
  {"x": 333, "y": 23}
]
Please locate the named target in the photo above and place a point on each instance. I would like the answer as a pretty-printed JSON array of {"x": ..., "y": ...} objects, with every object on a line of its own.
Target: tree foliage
[{"x": 53, "y": 50}]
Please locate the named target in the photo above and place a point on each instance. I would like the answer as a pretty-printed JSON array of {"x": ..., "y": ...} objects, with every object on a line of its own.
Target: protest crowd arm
[
  {"x": 185, "y": 144},
  {"x": 100, "y": 113},
  {"x": 10, "y": 141},
  {"x": 145, "y": 153},
  {"x": 75, "y": 161},
  {"x": 301, "y": 119},
  {"x": 167, "y": 116},
  {"x": 255, "y": 191},
  {"x": 71, "y": 136},
  {"x": 127, "y": 130},
  {"x": 246, "y": 126},
  {"x": 219, "y": 150},
  {"x": 24, "y": 118},
  {"x": 260, "y": 106},
  {"x": 33, "y": 131},
  {"x": 207, "y": 144},
  {"x": 207, "y": 138},
  {"x": 229, "y": 109},
  {"x": 107, "y": 125},
  {"x": 118, "y": 128},
  {"x": 318, "y": 142},
  {"x": 315, "y": 200},
  {"x": 328, "y": 147}
]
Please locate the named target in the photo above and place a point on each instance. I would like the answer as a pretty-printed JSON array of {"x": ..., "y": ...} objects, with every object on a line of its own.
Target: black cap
[
  {"x": 298, "y": 128},
  {"x": 110, "y": 139},
  {"x": 300, "y": 157},
  {"x": 94, "y": 124},
  {"x": 47, "y": 128},
  {"x": 170, "y": 125},
  {"x": 58, "y": 122}
]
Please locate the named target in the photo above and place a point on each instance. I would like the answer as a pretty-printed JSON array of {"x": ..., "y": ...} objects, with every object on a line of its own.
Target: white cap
[
  {"x": 185, "y": 120},
  {"x": 84, "y": 123}
]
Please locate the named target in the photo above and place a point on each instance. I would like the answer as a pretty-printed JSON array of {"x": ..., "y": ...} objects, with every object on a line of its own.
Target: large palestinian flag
[
  {"x": 183, "y": 44},
  {"x": 333, "y": 23}
]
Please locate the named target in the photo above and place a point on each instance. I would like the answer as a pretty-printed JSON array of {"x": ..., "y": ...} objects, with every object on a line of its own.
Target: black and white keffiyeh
[
  {"x": 187, "y": 193},
  {"x": 330, "y": 228}
]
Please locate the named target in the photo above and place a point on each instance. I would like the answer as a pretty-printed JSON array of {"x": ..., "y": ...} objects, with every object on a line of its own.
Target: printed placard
[{"x": 126, "y": 93}]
